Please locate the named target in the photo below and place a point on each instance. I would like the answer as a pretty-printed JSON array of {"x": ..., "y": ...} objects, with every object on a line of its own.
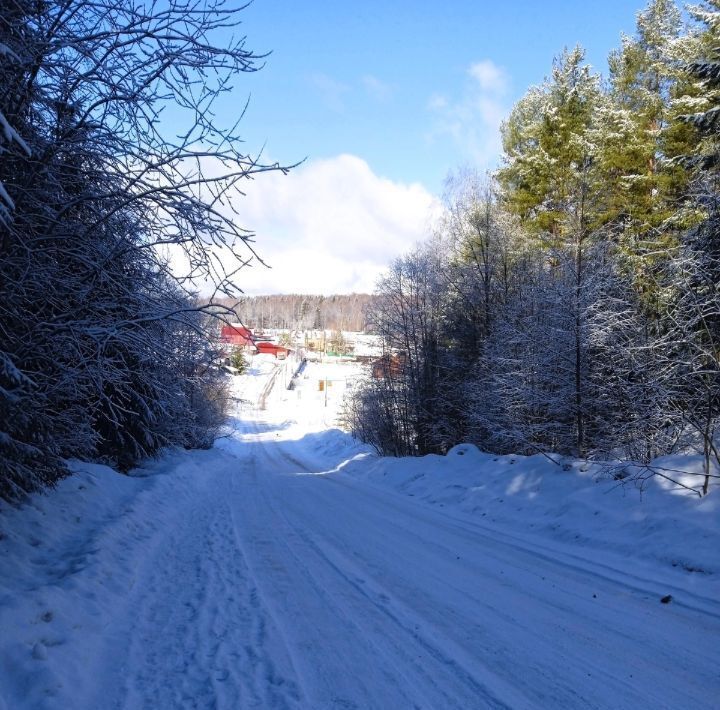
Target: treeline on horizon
[
  {"x": 570, "y": 302},
  {"x": 340, "y": 312}
]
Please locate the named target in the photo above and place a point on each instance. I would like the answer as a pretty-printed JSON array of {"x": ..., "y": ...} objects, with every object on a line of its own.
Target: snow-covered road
[
  {"x": 294, "y": 590},
  {"x": 262, "y": 575}
]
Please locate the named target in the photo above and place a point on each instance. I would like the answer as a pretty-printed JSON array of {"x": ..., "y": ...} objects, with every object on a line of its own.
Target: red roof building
[
  {"x": 267, "y": 348},
  {"x": 237, "y": 335},
  {"x": 389, "y": 366},
  {"x": 241, "y": 337}
]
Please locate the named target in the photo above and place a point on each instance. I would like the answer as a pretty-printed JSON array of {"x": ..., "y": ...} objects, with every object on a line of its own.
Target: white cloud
[
  {"x": 473, "y": 119},
  {"x": 489, "y": 76},
  {"x": 329, "y": 226},
  {"x": 332, "y": 92},
  {"x": 376, "y": 88},
  {"x": 437, "y": 102}
]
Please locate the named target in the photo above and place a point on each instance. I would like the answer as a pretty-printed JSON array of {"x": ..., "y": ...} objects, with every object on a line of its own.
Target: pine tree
[
  {"x": 699, "y": 106},
  {"x": 689, "y": 351},
  {"x": 549, "y": 158},
  {"x": 551, "y": 181},
  {"x": 638, "y": 141}
]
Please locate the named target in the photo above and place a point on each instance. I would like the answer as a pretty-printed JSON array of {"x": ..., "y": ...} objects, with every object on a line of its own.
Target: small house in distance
[
  {"x": 267, "y": 348},
  {"x": 238, "y": 336},
  {"x": 389, "y": 366}
]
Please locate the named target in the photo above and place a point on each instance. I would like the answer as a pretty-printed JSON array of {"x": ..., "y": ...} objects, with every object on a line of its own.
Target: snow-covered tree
[
  {"x": 564, "y": 369},
  {"x": 687, "y": 354},
  {"x": 548, "y": 156},
  {"x": 639, "y": 140},
  {"x": 100, "y": 342},
  {"x": 399, "y": 409},
  {"x": 551, "y": 181}
]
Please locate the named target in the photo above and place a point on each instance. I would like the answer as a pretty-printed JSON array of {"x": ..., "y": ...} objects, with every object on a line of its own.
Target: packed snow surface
[{"x": 289, "y": 567}]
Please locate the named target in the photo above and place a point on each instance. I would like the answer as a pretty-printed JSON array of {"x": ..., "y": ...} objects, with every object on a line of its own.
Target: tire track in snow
[
  {"x": 201, "y": 639},
  {"x": 571, "y": 648},
  {"x": 613, "y": 569},
  {"x": 407, "y": 627},
  {"x": 554, "y": 554},
  {"x": 365, "y": 631}
]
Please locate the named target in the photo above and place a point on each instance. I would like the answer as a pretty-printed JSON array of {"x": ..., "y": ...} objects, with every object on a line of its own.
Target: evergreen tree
[
  {"x": 689, "y": 351},
  {"x": 638, "y": 141},
  {"x": 549, "y": 159},
  {"x": 551, "y": 180},
  {"x": 699, "y": 106}
]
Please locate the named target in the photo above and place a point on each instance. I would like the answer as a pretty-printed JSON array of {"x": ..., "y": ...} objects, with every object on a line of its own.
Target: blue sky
[
  {"x": 361, "y": 78},
  {"x": 383, "y": 99}
]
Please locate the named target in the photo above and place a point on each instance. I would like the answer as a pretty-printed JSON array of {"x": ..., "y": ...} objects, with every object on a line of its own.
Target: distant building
[
  {"x": 238, "y": 336},
  {"x": 389, "y": 366},
  {"x": 267, "y": 348}
]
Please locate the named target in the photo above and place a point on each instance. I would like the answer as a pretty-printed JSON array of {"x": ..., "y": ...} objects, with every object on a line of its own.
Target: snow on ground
[
  {"x": 364, "y": 344},
  {"x": 569, "y": 503},
  {"x": 248, "y": 387},
  {"x": 84, "y": 567},
  {"x": 289, "y": 567}
]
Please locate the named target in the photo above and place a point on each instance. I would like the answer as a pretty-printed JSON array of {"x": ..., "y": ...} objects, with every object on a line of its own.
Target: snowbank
[
  {"x": 69, "y": 562},
  {"x": 569, "y": 503}
]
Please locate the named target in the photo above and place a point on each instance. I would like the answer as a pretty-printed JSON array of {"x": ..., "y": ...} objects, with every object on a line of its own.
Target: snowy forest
[
  {"x": 302, "y": 312},
  {"x": 104, "y": 350},
  {"x": 570, "y": 302}
]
